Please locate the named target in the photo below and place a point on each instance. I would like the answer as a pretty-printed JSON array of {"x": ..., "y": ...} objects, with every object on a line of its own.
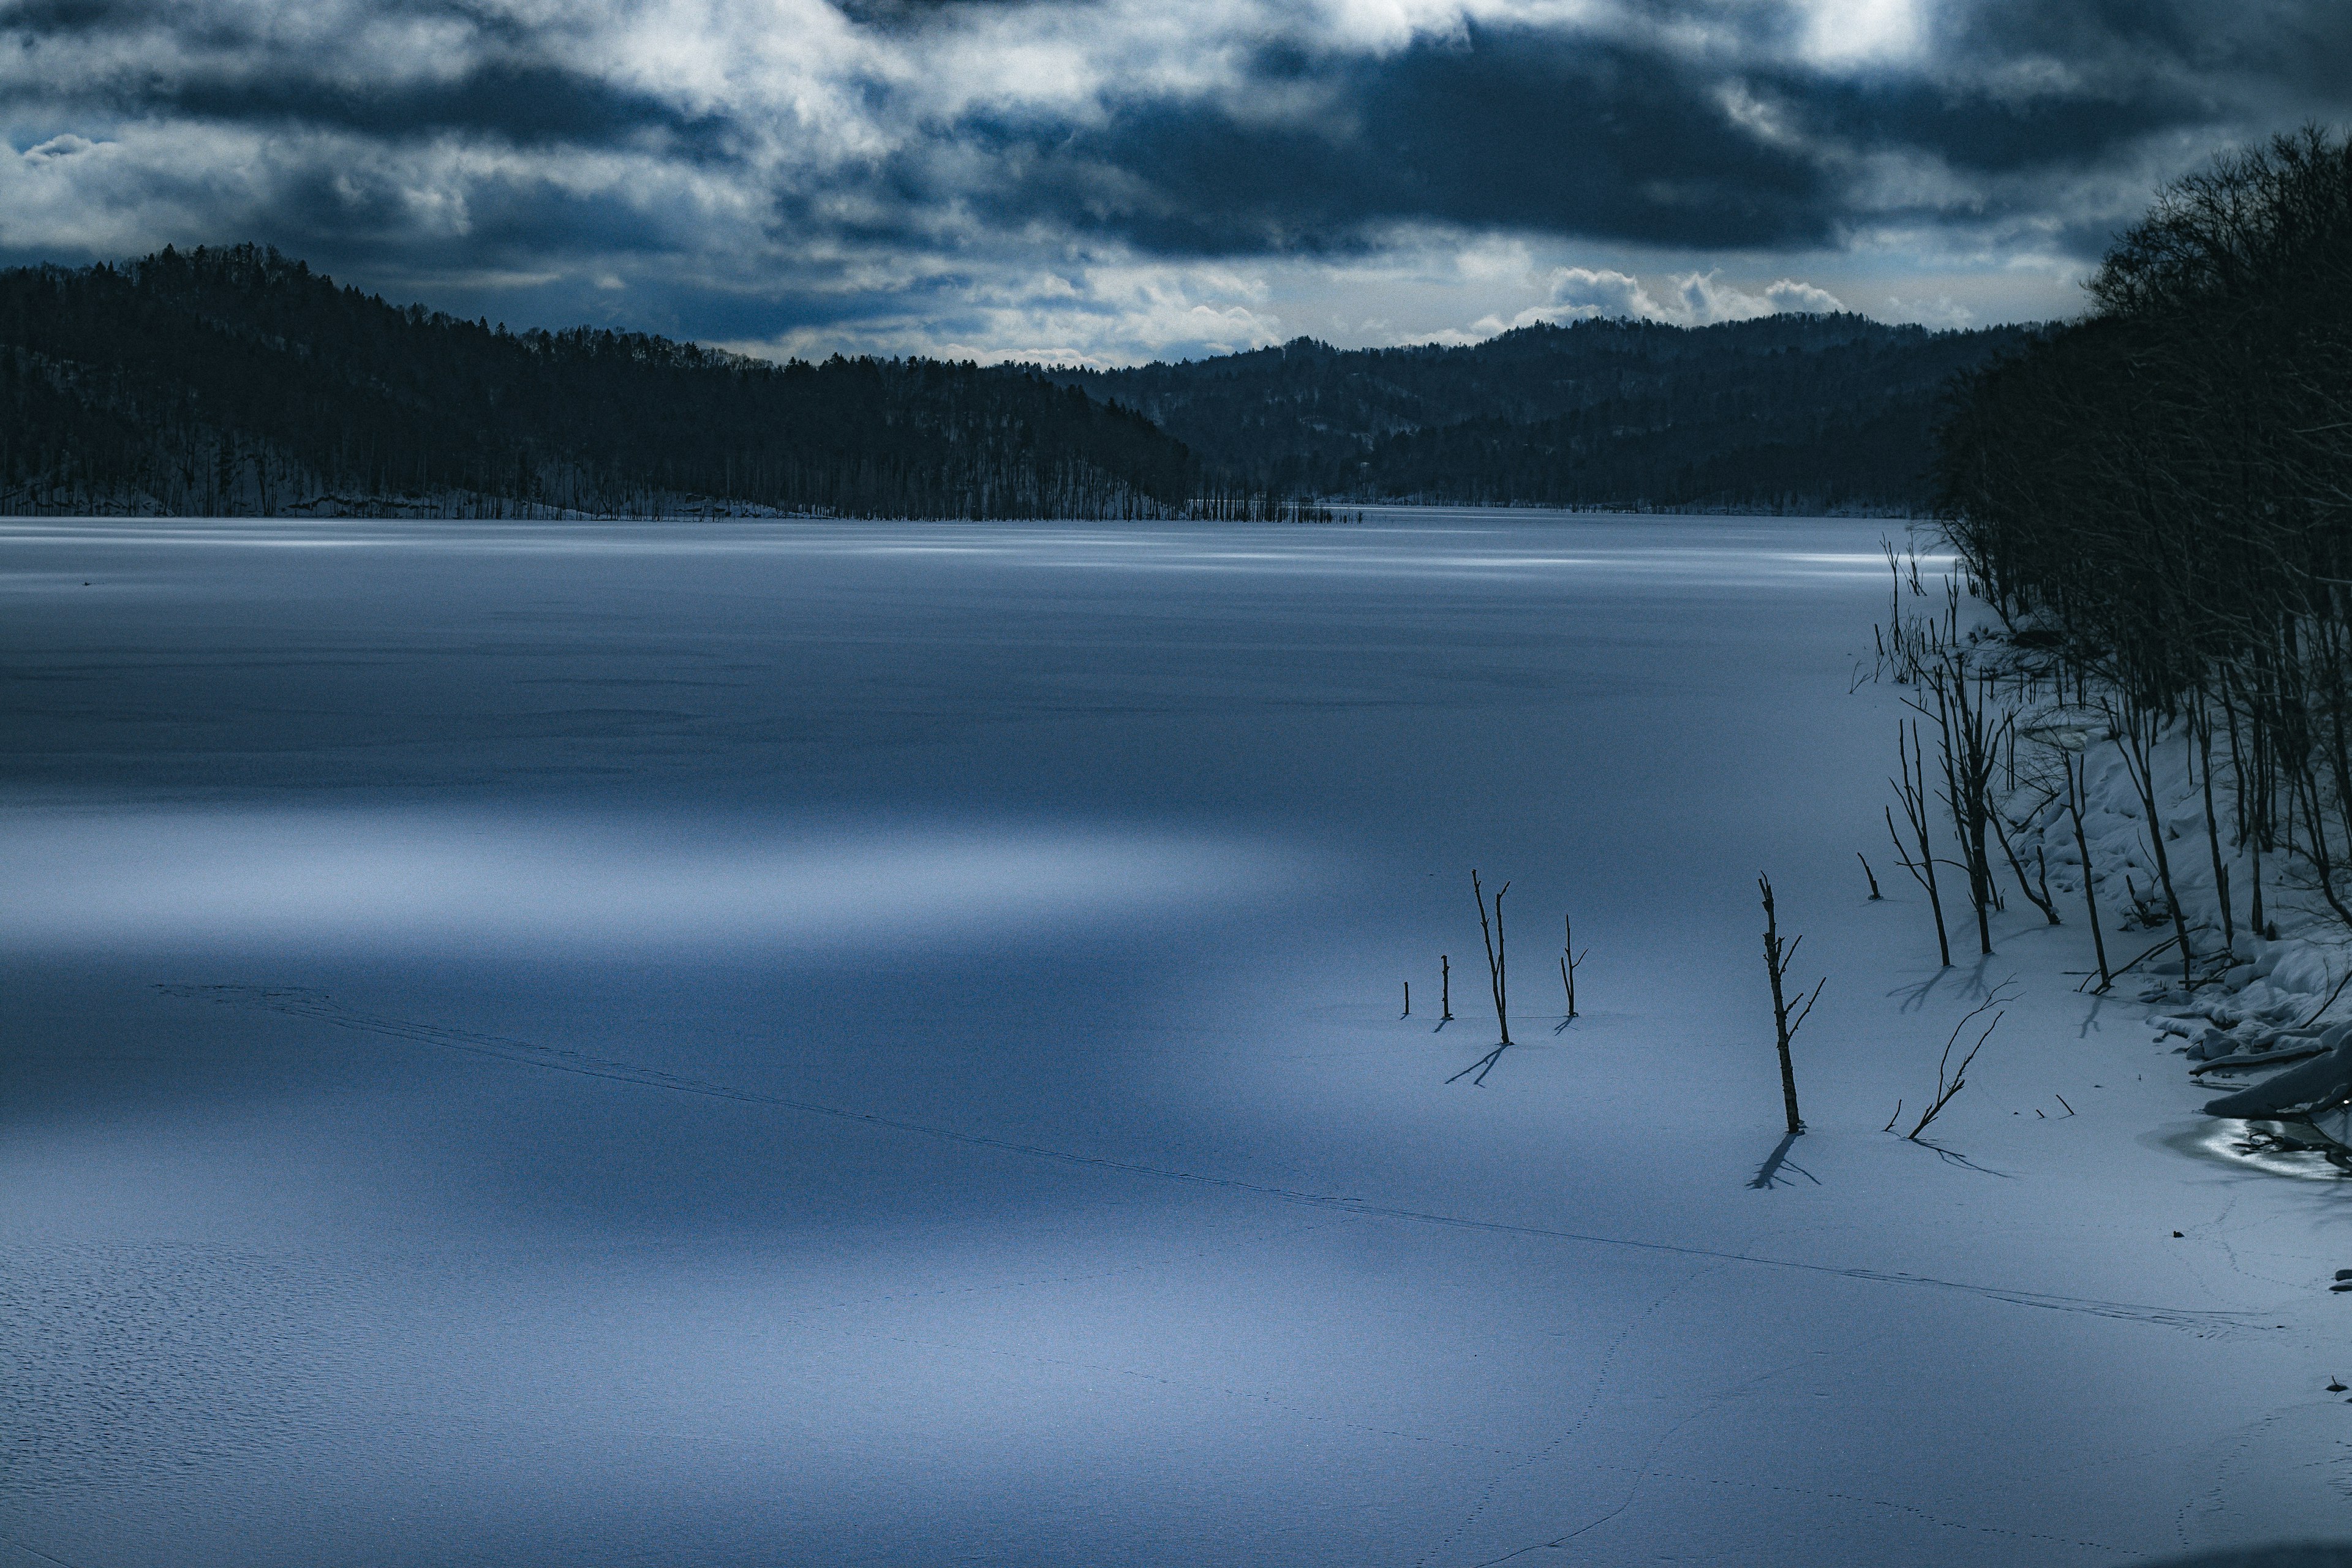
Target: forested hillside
[
  {"x": 235, "y": 381},
  {"x": 1784, "y": 412}
]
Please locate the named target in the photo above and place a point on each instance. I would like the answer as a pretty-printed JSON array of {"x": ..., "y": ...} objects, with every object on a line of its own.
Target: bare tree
[
  {"x": 1569, "y": 959},
  {"x": 1498, "y": 959},
  {"x": 1967, "y": 733},
  {"x": 2136, "y": 730},
  {"x": 1787, "y": 1011},
  {"x": 2201, "y": 722},
  {"x": 2162, "y": 488},
  {"x": 2073, "y": 763},
  {"x": 2040, "y": 899},
  {"x": 1498, "y": 977},
  {"x": 1914, "y": 791}
]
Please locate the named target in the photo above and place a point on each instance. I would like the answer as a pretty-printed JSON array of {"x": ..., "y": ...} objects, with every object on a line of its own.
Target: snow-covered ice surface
[{"x": 763, "y": 1043}]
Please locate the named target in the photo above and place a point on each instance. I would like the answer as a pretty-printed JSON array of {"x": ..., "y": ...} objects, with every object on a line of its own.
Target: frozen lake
[{"x": 755, "y": 1044}]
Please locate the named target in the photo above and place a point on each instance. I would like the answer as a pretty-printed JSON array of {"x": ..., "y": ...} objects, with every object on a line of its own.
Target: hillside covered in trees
[
  {"x": 1782, "y": 413},
  {"x": 237, "y": 381}
]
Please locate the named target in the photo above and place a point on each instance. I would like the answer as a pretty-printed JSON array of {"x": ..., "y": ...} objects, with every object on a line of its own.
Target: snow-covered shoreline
[{"x": 2248, "y": 999}]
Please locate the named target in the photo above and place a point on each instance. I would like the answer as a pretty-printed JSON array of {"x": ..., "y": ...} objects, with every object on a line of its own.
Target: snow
[{"x": 749, "y": 1042}]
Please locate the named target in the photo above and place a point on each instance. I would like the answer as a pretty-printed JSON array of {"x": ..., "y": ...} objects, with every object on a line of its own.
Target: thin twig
[
  {"x": 1959, "y": 1078},
  {"x": 2151, "y": 952},
  {"x": 2332, "y": 995}
]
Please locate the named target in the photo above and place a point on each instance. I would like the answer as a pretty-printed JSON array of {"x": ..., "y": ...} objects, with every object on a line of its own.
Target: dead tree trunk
[
  {"x": 1569, "y": 959},
  {"x": 2254, "y": 906},
  {"x": 2076, "y": 788},
  {"x": 1499, "y": 976},
  {"x": 2246, "y": 804},
  {"x": 1497, "y": 973},
  {"x": 1777, "y": 959},
  {"x": 2202, "y": 721}
]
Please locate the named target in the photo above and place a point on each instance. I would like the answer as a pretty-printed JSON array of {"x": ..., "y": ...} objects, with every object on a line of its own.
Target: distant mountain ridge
[{"x": 1780, "y": 413}]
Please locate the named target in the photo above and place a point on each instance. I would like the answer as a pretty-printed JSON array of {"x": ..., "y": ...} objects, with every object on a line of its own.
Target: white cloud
[
  {"x": 1854, "y": 32},
  {"x": 1694, "y": 300},
  {"x": 1788, "y": 297},
  {"x": 1578, "y": 292}
]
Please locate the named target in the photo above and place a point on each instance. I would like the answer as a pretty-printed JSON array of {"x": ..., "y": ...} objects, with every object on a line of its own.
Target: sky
[{"x": 1113, "y": 181}]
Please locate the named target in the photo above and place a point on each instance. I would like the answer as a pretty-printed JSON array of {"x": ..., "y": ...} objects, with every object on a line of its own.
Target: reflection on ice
[
  {"x": 2293, "y": 1148},
  {"x": 413, "y": 875},
  {"x": 1394, "y": 542}
]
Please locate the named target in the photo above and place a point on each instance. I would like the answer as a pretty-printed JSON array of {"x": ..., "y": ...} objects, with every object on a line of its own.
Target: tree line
[{"x": 236, "y": 381}]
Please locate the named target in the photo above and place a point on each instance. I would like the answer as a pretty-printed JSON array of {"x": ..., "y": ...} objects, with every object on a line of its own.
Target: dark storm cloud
[
  {"x": 189, "y": 61},
  {"x": 525, "y": 105},
  {"x": 754, "y": 170},
  {"x": 1976, "y": 131},
  {"x": 1587, "y": 137},
  {"x": 2139, "y": 38},
  {"x": 1515, "y": 130},
  {"x": 510, "y": 222},
  {"x": 907, "y": 16}
]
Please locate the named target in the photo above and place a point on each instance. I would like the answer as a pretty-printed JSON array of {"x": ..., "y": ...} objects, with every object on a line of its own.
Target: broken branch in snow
[
  {"x": 1958, "y": 1078},
  {"x": 2128, "y": 968}
]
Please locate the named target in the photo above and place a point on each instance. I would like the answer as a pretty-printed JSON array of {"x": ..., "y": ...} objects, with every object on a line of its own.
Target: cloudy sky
[{"x": 1115, "y": 180}]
